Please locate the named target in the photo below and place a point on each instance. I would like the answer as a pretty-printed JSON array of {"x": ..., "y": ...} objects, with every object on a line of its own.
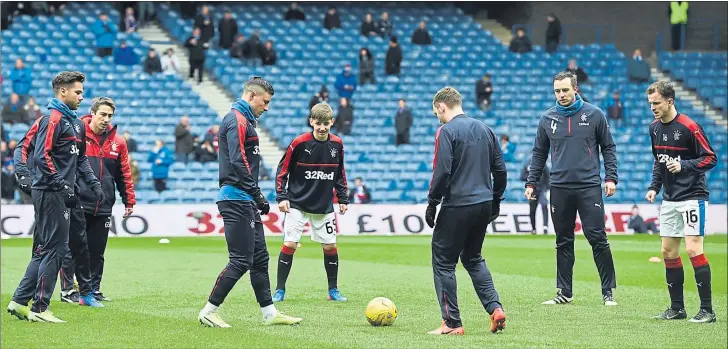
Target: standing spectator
[
  {"x": 7, "y": 194},
  {"x": 170, "y": 62},
  {"x": 553, "y": 33},
  {"x": 332, "y": 19},
  {"x": 205, "y": 153},
  {"x": 576, "y": 70},
  {"x": 521, "y": 43},
  {"x": 322, "y": 96},
  {"x": 252, "y": 48},
  {"x": 263, "y": 173},
  {"x": 268, "y": 54},
  {"x": 294, "y": 13},
  {"x": 346, "y": 83},
  {"x": 4, "y": 152},
  {"x": 345, "y": 117},
  {"x": 13, "y": 111},
  {"x": 146, "y": 12},
  {"x": 22, "y": 79},
  {"x": 184, "y": 142},
  {"x": 366, "y": 67},
  {"x": 12, "y": 144},
  {"x": 32, "y": 110},
  {"x": 131, "y": 144},
  {"x": 421, "y": 36},
  {"x": 161, "y": 159},
  {"x": 637, "y": 69},
  {"x": 196, "y": 51},
  {"x": 212, "y": 136},
  {"x": 368, "y": 27},
  {"x": 384, "y": 26},
  {"x": 134, "y": 172},
  {"x": 105, "y": 33},
  {"x": 638, "y": 224},
  {"x": 402, "y": 123},
  {"x": 483, "y": 91},
  {"x": 125, "y": 55},
  {"x": 538, "y": 198},
  {"x": 237, "y": 49},
  {"x": 152, "y": 64},
  {"x": 614, "y": 107},
  {"x": 508, "y": 149},
  {"x": 359, "y": 194},
  {"x": 130, "y": 22},
  {"x": 679, "y": 21},
  {"x": 204, "y": 22},
  {"x": 227, "y": 29},
  {"x": 394, "y": 57}
]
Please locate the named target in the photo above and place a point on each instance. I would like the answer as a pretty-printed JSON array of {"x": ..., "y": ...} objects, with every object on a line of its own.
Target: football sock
[
  {"x": 331, "y": 263},
  {"x": 702, "y": 279},
  {"x": 269, "y": 312},
  {"x": 675, "y": 277},
  {"x": 285, "y": 261},
  {"x": 209, "y": 307}
]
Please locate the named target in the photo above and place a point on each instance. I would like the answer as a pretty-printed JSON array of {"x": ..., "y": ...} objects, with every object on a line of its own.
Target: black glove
[
  {"x": 24, "y": 183},
  {"x": 99, "y": 193},
  {"x": 430, "y": 214},
  {"x": 260, "y": 202},
  {"x": 69, "y": 196},
  {"x": 495, "y": 210}
]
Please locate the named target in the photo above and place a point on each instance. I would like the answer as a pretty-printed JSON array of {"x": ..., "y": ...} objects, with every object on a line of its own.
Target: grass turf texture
[{"x": 158, "y": 289}]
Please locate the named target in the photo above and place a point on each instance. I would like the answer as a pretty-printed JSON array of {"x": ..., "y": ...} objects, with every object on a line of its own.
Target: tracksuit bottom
[
  {"x": 459, "y": 232},
  {"x": 87, "y": 241},
  {"x": 246, "y": 251},
  {"x": 565, "y": 203}
]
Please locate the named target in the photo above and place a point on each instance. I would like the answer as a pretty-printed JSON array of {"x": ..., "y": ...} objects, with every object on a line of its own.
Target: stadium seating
[{"x": 704, "y": 72}]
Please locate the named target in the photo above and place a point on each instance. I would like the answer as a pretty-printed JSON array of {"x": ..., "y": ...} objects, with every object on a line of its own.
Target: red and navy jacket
[
  {"x": 683, "y": 140},
  {"x": 309, "y": 173},
  {"x": 109, "y": 158},
  {"x": 239, "y": 158}
]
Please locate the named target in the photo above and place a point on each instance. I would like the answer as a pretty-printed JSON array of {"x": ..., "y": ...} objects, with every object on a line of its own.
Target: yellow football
[{"x": 381, "y": 311}]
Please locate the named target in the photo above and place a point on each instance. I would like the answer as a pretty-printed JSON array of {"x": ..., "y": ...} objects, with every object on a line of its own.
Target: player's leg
[
  {"x": 78, "y": 244},
  {"x": 672, "y": 232},
  {"x": 563, "y": 213},
  {"x": 473, "y": 262},
  {"x": 68, "y": 294},
  {"x": 26, "y": 289},
  {"x": 694, "y": 215},
  {"x": 97, "y": 236},
  {"x": 590, "y": 206},
  {"x": 293, "y": 224},
  {"x": 544, "y": 212},
  {"x": 323, "y": 231}
]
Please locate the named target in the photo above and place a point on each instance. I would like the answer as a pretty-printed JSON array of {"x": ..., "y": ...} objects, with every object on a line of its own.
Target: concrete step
[{"x": 691, "y": 97}]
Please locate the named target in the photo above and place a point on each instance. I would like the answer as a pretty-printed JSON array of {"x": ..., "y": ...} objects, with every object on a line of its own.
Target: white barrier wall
[{"x": 204, "y": 220}]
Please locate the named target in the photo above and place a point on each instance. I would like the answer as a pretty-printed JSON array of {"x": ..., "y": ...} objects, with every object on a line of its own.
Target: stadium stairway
[
  {"x": 499, "y": 31},
  {"x": 210, "y": 90},
  {"x": 686, "y": 95}
]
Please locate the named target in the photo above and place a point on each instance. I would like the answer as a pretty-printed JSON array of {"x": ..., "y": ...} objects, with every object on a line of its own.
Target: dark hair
[
  {"x": 566, "y": 75},
  {"x": 260, "y": 84},
  {"x": 66, "y": 78},
  {"x": 664, "y": 88}
]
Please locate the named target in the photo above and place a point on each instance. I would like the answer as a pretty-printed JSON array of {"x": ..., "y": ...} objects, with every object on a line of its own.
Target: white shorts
[
  {"x": 682, "y": 218},
  {"x": 323, "y": 226}
]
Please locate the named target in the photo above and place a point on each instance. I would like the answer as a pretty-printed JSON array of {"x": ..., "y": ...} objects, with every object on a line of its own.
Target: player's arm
[
  {"x": 285, "y": 167},
  {"x": 539, "y": 154},
  {"x": 122, "y": 177},
  {"x": 608, "y": 149},
  {"x": 706, "y": 159},
  {"x": 236, "y": 132},
  {"x": 46, "y": 139},
  {"x": 441, "y": 166},
  {"x": 656, "y": 183},
  {"x": 498, "y": 171},
  {"x": 340, "y": 184},
  {"x": 24, "y": 148}
]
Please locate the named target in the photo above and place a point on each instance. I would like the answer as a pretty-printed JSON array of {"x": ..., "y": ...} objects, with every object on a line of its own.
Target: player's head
[
  {"x": 102, "y": 110},
  {"x": 447, "y": 104},
  {"x": 258, "y": 92},
  {"x": 68, "y": 88},
  {"x": 565, "y": 88},
  {"x": 322, "y": 118},
  {"x": 661, "y": 96}
]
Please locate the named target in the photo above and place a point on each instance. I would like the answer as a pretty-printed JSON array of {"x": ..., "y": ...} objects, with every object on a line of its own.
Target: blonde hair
[
  {"x": 99, "y": 101},
  {"x": 322, "y": 112},
  {"x": 448, "y": 95}
]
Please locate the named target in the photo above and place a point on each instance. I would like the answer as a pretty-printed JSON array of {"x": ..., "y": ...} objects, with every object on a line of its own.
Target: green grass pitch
[{"x": 158, "y": 289}]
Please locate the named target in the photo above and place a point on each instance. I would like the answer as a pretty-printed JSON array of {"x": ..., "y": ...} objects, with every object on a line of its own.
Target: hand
[
  {"x": 69, "y": 196},
  {"x": 651, "y": 195},
  {"x": 528, "y": 193},
  {"x": 343, "y": 208},
  {"x": 495, "y": 211},
  {"x": 24, "y": 183},
  {"x": 284, "y": 206},
  {"x": 99, "y": 193},
  {"x": 260, "y": 202},
  {"x": 430, "y": 215},
  {"x": 674, "y": 167},
  {"x": 610, "y": 188},
  {"x": 128, "y": 211}
]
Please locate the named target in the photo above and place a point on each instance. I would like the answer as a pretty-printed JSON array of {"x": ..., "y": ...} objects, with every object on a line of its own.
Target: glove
[
  {"x": 495, "y": 210},
  {"x": 260, "y": 202},
  {"x": 430, "y": 215},
  {"x": 69, "y": 196},
  {"x": 24, "y": 183},
  {"x": 99, "y": 193}
]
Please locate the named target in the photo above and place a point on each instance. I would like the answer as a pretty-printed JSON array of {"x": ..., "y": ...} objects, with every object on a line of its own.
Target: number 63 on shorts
[
  {"x": 323, "y": 226},
  {"x": 682, "y": 218}
]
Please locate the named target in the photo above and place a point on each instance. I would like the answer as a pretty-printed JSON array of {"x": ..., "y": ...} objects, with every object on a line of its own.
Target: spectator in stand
[
  {"x": 294, "y": 13},
  {"x": 32, "y": 110},
  {"x": 521, "y": 43},
  {"x": 237, "y": 49},
  {"x": 264, "y": 173},
  {"x": 344, "y": 118},
  {"x": 638, "y": 224},
  {"x": 368, "y": 27},
  {"x": 539, "y": 197},
  {"x": 384, "y": 26},
  {"x": 184, "y": 141},
  {"x": 152, "y": 64},
  {"x": 205, "y": 153},
  {"x": 196, "y": 52},
  {"x": 131, "y": 144},
  {"x": 359, "y": 194},
  {"x": 576, "y": 70},
  {"x": 366, "y": 67},
  {"x": 170, "y": 62},
  {"x": 553, "y": 33},
  {"x": 212, "y": 136},
  {"x": 394, "y": 57},
  {"x": 508, "y": 149},
  {"x": 7, "y": 194},
  {"x": 322, "y": 96},
  {"x": 125, "y": 55},
  {"x": 346, "y": 83},
  {"x": 421, "y": 36},
  {"x": 678, "y": 13},
  {"x": 637, "y": 69},
  {"x": 130, "y": 22},
  {"x": 146, "y": 13},
  {"x": 615, "y": 110},
  {"x": 3, "y": 134},
  {"x": 135, "y": 174},
  {"x": 204, "y": 22},
  {"x": 332, "y": 19},
  {"x": 4, "y": 152},
  {"x": 268, "y": 54},
  {"x": 22, "y": 79},
  {"x": 105, "y": 32},
  {"x": 161, "y": 159},
  {"x": 12, "y": 144},
  {"x": 483, "y": 92},
  {"x": 13, "y": 112},
  {"x": 402, "y": 123},
  {"x": 252, "y": 48},
  {"x": 227, "y": 29}
]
